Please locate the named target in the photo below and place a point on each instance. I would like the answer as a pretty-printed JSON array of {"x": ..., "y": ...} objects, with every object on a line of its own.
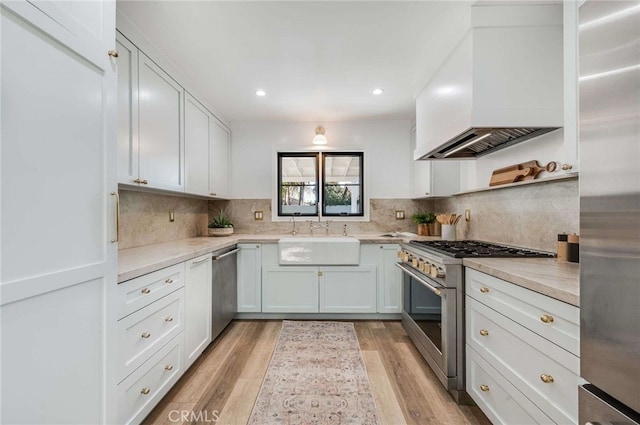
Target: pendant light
[{"x": 320, "y": 139}]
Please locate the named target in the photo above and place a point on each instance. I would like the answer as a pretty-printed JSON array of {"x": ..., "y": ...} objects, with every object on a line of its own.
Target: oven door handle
[{"x": 437, "y": 291}]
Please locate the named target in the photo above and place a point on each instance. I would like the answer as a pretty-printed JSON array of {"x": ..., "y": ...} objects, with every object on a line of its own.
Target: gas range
[{"x": 471, "y": 248}]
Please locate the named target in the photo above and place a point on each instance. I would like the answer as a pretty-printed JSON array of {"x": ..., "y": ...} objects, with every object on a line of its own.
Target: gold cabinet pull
[
  {"x": 484, "y": 289},
  {"x": 169, "y": 280},
  {"x": 547, "y": 379},
  {"x": 168, "y": 367},
  {"x": 144, "y": 181},
  {"x": 546, "y": 318},
  {"x": 168, "y": 319},
  {"x": 484, "y": 388},
  {"x": 117, "y": 217},
  {"x": 113, "y": 53},
  {"x": 145, "y": 335},
  {"x": 137, "y": 181},
  {"x": 213, "y": 194},
  {"x": 566, "y": 167},
  {"x": 145, "y": 290},
  {"x": 484, "y": 332},
  {"x": 145, "y": 391}
]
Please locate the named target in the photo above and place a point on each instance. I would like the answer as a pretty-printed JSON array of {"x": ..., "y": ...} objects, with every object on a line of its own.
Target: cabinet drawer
[
  {"x": 498, "y": 399},
  {"x": 525, "y": 359},
  {"x": 555, "y": 320},
  {"x": 142, "y": 333},
  {"x": 141, "y": 391},
  {"x": 142, "y": 291}
]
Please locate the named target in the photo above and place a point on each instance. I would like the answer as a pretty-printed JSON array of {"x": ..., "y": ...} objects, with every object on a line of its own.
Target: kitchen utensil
[
  {"x": 537, "y": 168},
  {"x": 504, "y": 177}
]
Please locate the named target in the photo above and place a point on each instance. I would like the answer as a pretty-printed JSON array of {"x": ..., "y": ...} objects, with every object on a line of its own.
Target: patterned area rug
[{"x": 316, "y": 377}]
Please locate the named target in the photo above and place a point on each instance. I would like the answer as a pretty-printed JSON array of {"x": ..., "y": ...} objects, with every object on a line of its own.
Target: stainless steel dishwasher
[{"x": 224, "y": 289}]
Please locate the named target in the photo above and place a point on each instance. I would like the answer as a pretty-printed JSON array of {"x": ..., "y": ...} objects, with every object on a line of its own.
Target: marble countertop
[
  {"x": 134, "y": 262},
  {"x": 546, "y": 276}
]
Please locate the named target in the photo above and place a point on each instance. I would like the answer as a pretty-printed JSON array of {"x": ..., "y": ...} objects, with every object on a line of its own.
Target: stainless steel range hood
[{"x": 476, "y": 142}]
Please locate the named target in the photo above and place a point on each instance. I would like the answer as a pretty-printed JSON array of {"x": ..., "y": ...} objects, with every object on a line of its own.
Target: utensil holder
[{"x": 448, "y": 232}]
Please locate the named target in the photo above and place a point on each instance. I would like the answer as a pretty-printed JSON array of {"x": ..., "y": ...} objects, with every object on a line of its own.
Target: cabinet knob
[
  {"x": 484, "y": 289},
  {"x": 145, "y": 335},
  {"x": 546, "y": 318},
  {"x": 144, "y": 181},
  {"x": 168, "y": 367},
  {"x": 113, "y": 53},
  {"x": 137, "y": 181},
  {"x": 169, "y": 280},
  {"x": 145, "y": 290},
  {"x": 145, "y": 391},
  {"x": 484, "y": 332},
  {"x": 168, "y": 319},
  {"x": 484, "y": 388},
  {"x": 547, "y": 379},
  {"x": 566, "y": 167}
]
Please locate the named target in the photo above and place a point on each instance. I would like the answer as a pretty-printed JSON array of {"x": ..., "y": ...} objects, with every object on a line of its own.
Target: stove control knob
[
  {"x": 414, "y": 262},
  {"x": 434, "y": 271},
  {"x": 440, "y": 273},
  {"x": 427, "y": 268}
]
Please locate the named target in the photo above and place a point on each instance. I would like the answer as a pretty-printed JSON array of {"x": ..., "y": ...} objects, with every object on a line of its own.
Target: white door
[
  {"x": 348, "y": 289},
  {"x": 160, "y": 127},
  {"x": 58, "y": 165},
  {"x": 127, "y": 110},
  {"x": 289, "y": 289},
  {"x": 219, "y": 160},
  {"x": 197, "y": 319},
  {"x": 197, "y": 123},
  {"x": 249, "y": 278},
  {"x": 389, "y": 280}
]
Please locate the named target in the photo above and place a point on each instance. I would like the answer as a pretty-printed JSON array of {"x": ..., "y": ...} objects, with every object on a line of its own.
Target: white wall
[{"x": 386, "y": 145}]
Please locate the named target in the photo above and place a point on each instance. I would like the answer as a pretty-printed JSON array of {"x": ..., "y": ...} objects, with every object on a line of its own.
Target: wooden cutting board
[{"x": 524, "y": 171}]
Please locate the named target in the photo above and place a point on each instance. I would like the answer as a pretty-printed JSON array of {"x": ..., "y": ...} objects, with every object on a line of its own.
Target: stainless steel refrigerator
[{"x": 609, "y": 46}]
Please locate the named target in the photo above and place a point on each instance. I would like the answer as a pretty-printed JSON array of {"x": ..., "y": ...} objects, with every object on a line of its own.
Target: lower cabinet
[
  {"x": 289, "y": 289},
  {"x": 347, "y": 289},
  {"x": 198, "y": 302},
  {"x": 249, "y": 278},
  {"x": 521, "y": 363}
]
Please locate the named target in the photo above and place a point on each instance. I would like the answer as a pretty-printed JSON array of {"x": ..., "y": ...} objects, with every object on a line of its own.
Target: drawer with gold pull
[
  {"x": 142, "y": 333},
  {"x": 139, "y": 292},
  {"x": 150, "y": 382}
]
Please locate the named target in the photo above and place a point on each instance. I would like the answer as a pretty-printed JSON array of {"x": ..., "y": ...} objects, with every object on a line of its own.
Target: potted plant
[
  {"x": 220, "y": 225},
  {"x": 423, "y": 219}
]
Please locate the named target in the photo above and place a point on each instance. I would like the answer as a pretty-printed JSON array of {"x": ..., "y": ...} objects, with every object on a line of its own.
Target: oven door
[{"x": 429, "y": 317}]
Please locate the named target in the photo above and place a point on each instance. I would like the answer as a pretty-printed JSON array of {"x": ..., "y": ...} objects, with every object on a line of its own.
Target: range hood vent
[{"x": 476, "y": 142}]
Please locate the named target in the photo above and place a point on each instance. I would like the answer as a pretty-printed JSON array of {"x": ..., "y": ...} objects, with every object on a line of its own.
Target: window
[
  {"x": 342, "y": 189},
  {"x": 298, "y": 184},
  {"x": 299, "y": 190}
]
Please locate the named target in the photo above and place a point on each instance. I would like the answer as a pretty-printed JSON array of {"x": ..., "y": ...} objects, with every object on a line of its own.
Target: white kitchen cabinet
[
  {"x": 389, "y": 280},
  {"x": 160, "y": 135},
  {"x": 206, "y": 151},
  {"x": 530, "y": 340},
  {"x": 249, "y": 278},
  {"x": 289, "y": 289},
  {"x": 347, "y": 289},
  {"x": 58, "y": 169},
  {"x": 433, "y": 178},
  {"x": 198, "y": 303},
  {"x": 127, "y": 65}
]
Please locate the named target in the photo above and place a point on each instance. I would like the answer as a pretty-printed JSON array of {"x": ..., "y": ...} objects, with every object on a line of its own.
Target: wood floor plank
[
  {"x": 388, "y": 406},
  {"x": 227, "y": 378}
]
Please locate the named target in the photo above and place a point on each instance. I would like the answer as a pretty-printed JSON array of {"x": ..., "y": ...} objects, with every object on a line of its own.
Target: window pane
[
  {"x": 342, "y": 184},
  {"x": 298, "y": 180}
]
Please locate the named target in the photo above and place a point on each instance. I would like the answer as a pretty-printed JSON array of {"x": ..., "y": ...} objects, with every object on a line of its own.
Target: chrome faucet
[{"x": 293, "y": 229}]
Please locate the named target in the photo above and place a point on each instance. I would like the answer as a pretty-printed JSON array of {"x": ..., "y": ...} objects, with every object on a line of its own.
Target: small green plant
[
  {"x": 423, "y": 217},
  {"x": 220, "y": 221}
]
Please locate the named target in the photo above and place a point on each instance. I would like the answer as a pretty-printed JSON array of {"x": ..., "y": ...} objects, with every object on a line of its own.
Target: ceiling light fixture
[
  {"x": 320, "y": 139},
  {"x": 377, "y": 91},
  {"x": 261, "y": 93}
]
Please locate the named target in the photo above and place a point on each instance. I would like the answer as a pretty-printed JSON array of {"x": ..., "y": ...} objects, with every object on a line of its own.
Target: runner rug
[{"x": 316, "y": 377}]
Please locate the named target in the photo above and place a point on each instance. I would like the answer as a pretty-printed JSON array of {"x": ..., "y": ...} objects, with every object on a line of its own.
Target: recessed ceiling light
[
  {"x": 377, "y": 91},
  {"x": 261, "y": 93}
]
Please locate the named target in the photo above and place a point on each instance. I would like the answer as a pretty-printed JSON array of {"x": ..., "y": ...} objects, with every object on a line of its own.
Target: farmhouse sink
[{"x": 319, "y": 251}]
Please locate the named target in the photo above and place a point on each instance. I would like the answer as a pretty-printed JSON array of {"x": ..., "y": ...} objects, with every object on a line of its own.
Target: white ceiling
[{"x": 317, "y": 61}]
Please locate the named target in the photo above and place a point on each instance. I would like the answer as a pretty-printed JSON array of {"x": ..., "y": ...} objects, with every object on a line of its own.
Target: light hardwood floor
[{"x": 222, "y": 385}]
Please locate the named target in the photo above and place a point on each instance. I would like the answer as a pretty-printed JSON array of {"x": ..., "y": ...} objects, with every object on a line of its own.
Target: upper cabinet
[
  {"x": 433, "y": 178},
  {"x": 206, "y": 151},
  {"x": 166, "y": 138},
  {"x": 501, "y": 84}
]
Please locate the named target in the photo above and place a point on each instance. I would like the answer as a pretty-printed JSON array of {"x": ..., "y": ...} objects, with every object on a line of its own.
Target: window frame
[
  {"x": 323, "y": 185},
  {"x": 279, "y": 157}
]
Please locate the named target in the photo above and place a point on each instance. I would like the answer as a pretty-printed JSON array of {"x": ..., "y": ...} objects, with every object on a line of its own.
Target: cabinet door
[
  {"x": 348, "y": 289},
  {"x": 289, "y": 289},
  {"x": 197, "y": 308},
  {"x": 434, "y": 178},
  {"x": 219, "y": 185},
  {"x": 127, "y": 110},
  {"x": 58, "y": 168},
  {"x": 389, "y": 280},
  {"x": 160, "y": 127},
  {"x": 197, "y": 131},
  {"x": 249, "y": 278}
]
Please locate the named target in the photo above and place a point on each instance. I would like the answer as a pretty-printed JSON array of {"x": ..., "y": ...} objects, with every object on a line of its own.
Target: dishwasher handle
[{"x": 226, "y": 254}]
